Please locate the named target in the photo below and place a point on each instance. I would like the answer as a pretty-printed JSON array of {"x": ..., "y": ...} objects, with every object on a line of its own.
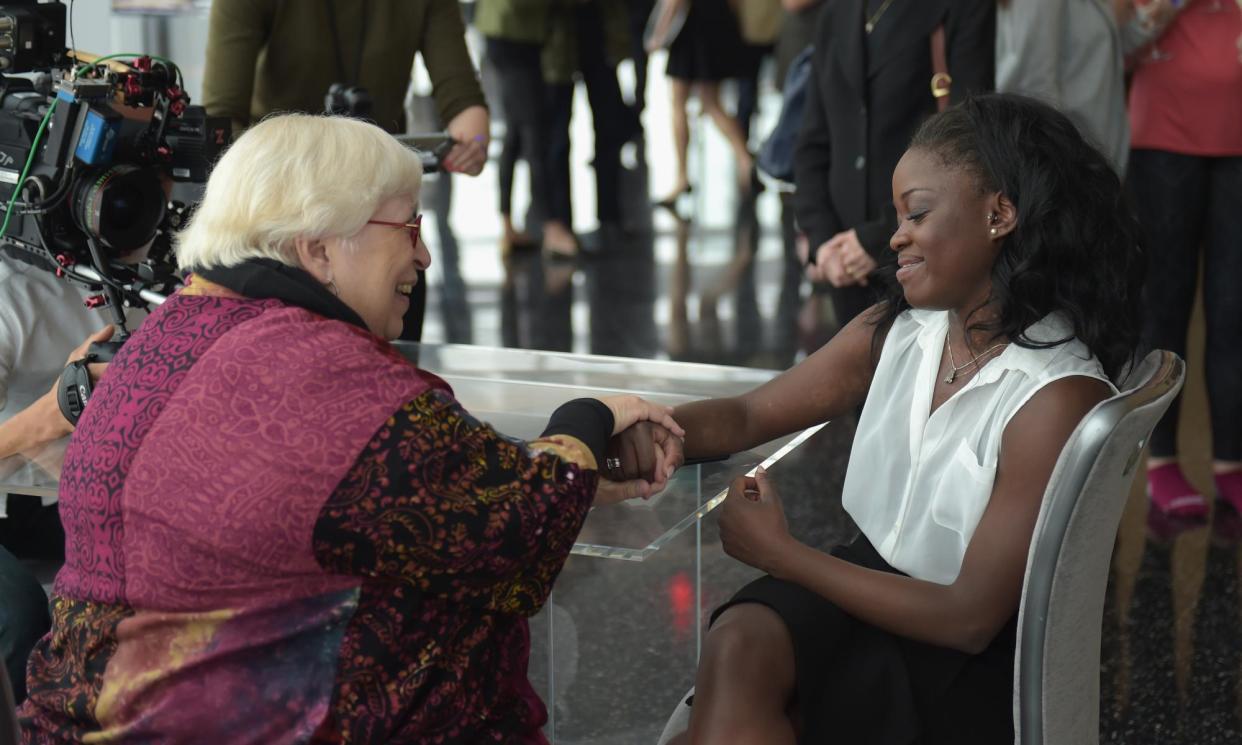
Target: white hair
[{"x": 290, "y": 176}]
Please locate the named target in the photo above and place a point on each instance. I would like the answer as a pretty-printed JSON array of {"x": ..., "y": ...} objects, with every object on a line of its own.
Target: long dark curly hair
[{"x": 1076, "y": 248}]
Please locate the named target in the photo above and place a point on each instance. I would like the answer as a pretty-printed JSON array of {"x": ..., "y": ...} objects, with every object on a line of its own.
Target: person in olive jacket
[
  {"x": 869, "y": 89},
  {"x": 267, "y": 56}
]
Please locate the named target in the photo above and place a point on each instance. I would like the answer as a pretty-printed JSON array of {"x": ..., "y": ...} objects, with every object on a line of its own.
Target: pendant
[
  {"x": 869, "y": 26},
  {"x": 950, "y": 377}
]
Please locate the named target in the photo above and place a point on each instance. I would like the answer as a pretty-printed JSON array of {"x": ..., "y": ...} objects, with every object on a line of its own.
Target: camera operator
[{"x": 265, "y": 56}]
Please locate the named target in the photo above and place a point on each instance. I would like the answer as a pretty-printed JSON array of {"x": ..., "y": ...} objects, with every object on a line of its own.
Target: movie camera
[{"x": 101, "y": 160}]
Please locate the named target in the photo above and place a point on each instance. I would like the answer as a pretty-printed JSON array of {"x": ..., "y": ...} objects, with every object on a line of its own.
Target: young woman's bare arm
[{"x": 829, "y": 383}]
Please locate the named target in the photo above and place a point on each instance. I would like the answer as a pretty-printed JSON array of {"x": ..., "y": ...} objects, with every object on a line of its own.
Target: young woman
[{"x": 1015, "y": 305}]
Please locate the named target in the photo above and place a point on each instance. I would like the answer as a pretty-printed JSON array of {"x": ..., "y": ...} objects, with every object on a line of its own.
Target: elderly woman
[{"x": 278, "y": 529}]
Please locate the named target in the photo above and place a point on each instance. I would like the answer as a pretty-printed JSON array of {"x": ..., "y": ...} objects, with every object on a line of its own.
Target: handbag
[
  {"x": 677, "y": 18},
  {"x": 759, "y": 21},
  {"x": 776, "y": 156}
]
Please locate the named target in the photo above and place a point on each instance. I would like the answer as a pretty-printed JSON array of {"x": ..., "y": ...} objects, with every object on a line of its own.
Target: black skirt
[
  {"x": 858, "y": 684},
  {"x": 709, "y": 46}
]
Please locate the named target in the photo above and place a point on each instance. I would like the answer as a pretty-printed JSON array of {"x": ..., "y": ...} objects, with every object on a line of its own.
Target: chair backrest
[
  {"x": 9, "y": 734},
  {"x": 1057, "y": 665}
]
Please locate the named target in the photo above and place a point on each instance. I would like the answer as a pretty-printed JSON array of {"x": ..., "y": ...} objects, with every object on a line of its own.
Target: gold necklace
[
  {"x": 874, "y": 19},
  {"x": 958, "y": 368}
]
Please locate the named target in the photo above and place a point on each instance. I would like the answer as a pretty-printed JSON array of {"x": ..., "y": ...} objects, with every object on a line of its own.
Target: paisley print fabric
[
  {"x": 123, "y": 408},
  {"x": 460, "y": 533}
]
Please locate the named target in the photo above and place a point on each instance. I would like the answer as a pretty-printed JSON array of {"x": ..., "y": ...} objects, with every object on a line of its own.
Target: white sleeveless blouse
[{"x": 917, "y": 485}]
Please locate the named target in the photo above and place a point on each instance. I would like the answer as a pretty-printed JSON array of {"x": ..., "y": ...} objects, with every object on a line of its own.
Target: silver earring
[
  {"x": 993, "y": 232},
  {"x": 331, "y": 284}
]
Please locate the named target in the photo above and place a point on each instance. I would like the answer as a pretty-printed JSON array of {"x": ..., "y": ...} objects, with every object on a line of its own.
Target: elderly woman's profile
[{"x": 278, "y": 529}]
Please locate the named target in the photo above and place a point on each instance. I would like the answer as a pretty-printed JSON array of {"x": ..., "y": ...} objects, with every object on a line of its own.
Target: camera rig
[{"x": 102, "y": 159}]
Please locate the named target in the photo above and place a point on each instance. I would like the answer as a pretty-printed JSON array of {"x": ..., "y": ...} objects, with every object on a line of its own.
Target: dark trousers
[
  {"x": 454, "y": 305},
  {"x": 1190, "y": 207},
  {"x": 849, "y": 302},
  {"x": 639, "y": 11},
  {"x": 412, "y": 322},
  {"x": 510, "y": 152},
  {"x": 23, "y": 618},
  {"x": 612, "y": 120},
  {"x": 748, "y": 88},
  {"x": 31, "y": 531},
  {"x": 522, "y": 98}
]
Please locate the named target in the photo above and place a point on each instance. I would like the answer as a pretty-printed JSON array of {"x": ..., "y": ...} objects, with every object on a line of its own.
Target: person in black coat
[{"x": 870, "y": 88}]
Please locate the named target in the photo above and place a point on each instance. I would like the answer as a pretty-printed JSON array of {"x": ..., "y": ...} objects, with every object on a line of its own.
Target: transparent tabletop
[{"x": 515, "y": 391}]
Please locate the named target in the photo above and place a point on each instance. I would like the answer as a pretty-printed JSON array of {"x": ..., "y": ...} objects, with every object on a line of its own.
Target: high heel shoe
[
  {"x": 670, "y": 202},
  {"x": 518, "y": 241}
]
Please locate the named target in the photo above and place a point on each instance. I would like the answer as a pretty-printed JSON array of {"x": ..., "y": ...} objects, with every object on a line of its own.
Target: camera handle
[
  {"x": 431, "y": 148},
  {"x": 74, "y": 388},
  {"x": 103, "y": 351}
]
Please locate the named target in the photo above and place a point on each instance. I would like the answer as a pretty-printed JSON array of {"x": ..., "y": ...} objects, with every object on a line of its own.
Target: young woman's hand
[
  {"x": 753, "y": 528},
  {"x": 645, "y": 451}
]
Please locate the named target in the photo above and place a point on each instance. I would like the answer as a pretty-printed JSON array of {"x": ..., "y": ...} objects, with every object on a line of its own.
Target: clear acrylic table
[{"x": 515, "y": 390}]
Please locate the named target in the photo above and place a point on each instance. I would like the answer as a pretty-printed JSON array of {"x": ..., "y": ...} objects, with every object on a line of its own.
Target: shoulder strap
[{"x": 941, "y": 80}]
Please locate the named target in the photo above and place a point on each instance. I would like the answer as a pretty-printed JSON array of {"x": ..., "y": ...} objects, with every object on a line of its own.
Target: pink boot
[
  {"x": 1173, "y": 495},
  {"x": 1229, "y": 489}
]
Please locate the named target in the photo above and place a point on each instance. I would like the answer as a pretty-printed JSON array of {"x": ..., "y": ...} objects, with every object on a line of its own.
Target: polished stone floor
[{"x": 720, "y": 286}]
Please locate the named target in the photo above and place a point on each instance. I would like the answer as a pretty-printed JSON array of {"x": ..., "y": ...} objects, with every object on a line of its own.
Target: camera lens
[{"x": 121, "y": 207}]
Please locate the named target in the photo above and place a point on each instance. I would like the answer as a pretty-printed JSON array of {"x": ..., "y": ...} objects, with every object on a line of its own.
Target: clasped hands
[
  {"x": 841, "y": 261},
  {"x": 645, "y": 450}
]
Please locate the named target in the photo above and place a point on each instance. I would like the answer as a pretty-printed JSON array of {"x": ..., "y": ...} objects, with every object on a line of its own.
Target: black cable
[
  {"x": 73, "y": 44},
  {"x": 63, "y": 187}
]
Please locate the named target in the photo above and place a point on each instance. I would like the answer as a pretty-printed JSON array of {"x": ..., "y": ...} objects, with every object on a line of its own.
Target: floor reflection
[{"x": 1172, "y": 655}]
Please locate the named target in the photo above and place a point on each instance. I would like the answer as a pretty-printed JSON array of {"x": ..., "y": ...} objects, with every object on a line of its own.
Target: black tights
[{"x": 1187, "y": 203}]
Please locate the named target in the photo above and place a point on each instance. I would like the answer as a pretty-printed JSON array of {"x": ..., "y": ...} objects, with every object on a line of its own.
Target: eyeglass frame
[{"x": 415, "y": 228}]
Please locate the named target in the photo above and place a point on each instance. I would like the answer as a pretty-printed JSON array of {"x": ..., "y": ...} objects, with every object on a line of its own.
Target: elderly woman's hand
[
  {"x": 628, "y": 409},
  {"x": 646, "y": 449}
]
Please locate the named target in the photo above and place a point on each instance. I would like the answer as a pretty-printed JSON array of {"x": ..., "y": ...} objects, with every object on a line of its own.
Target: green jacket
[
  {"x": 513, "y": 20},
  {"x": 265, "y": 56},
  {"x": 560, "y": 53}
]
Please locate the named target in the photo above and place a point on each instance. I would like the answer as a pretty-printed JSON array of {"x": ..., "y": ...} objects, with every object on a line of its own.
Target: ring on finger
[{"x": 612, "y": 464}]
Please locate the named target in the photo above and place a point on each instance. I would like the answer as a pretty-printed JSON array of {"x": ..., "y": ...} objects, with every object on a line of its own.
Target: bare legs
[
  {"x": 709, "y": 98},
  {"x": 745, "y": 682},
  {"x": 681, "y": 139}
]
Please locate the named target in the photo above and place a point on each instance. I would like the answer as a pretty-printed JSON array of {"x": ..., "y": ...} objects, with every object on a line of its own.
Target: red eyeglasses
[{"x": 414, "y": 227}]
